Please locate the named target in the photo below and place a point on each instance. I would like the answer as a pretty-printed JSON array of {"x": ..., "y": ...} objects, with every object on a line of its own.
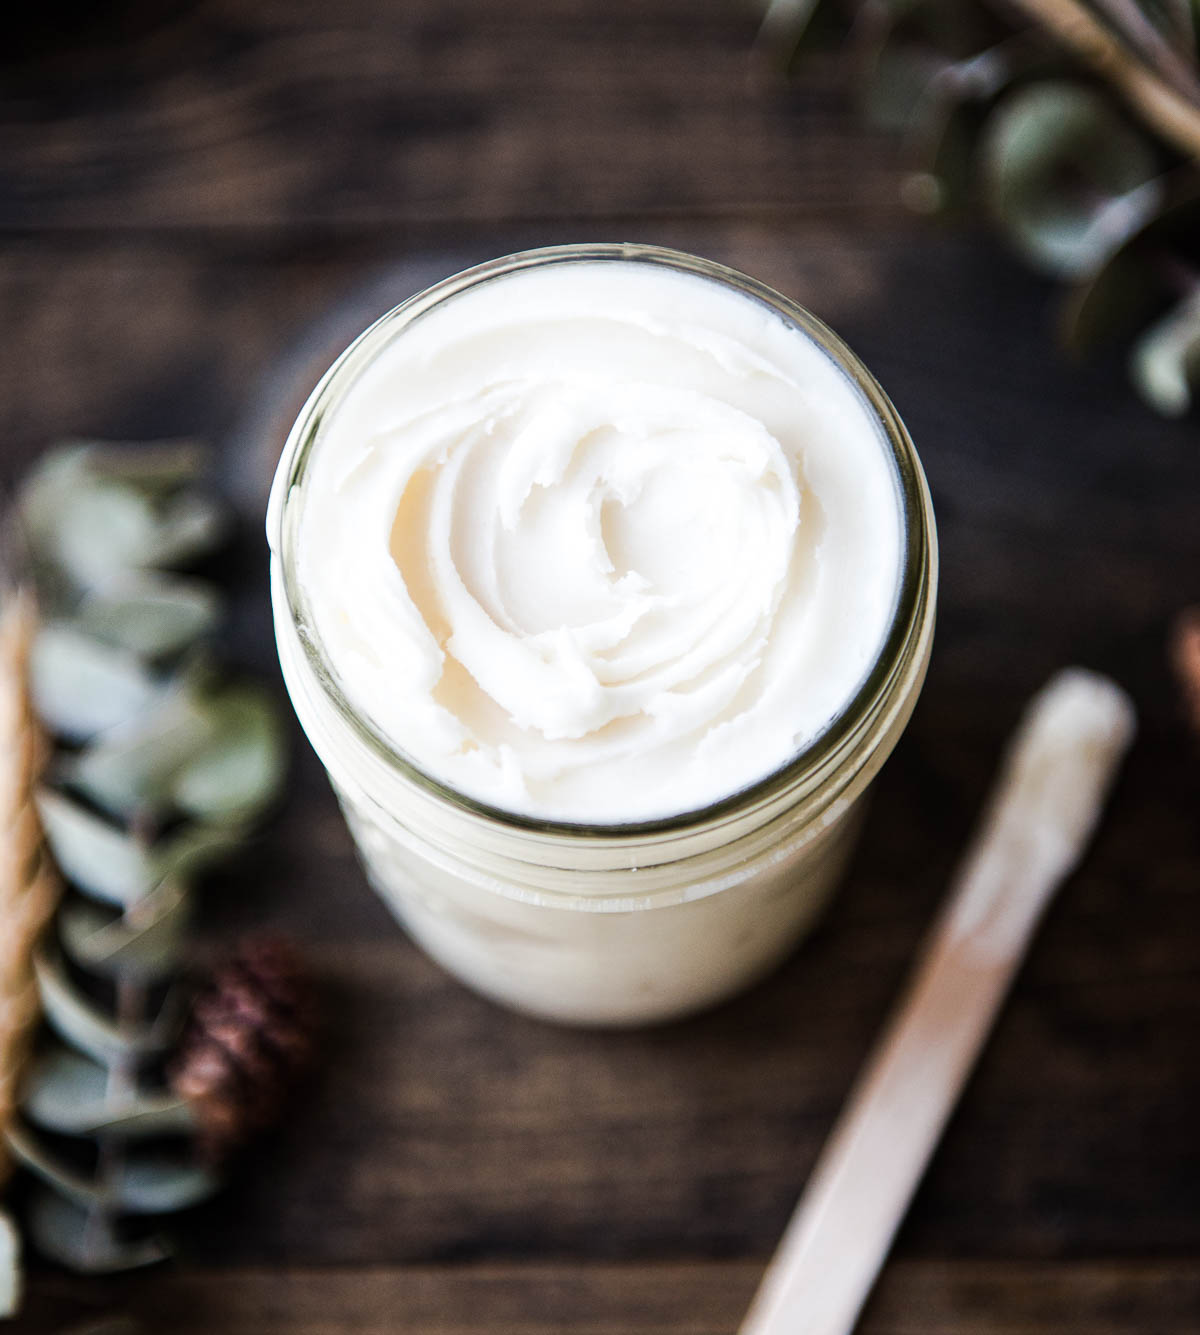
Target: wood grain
[
  {"x": 231, "y": 115},
  {"x": 670, "y": 1298},
  {"x": 445, "y": 1128}
]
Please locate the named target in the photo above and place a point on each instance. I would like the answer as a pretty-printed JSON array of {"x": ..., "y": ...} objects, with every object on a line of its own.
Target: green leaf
[
  {"x": 83, "y": 1239},
  {"x": 792, "y": 28},
  {"x": 101, "y": 531},
  {"x": 1142, "y": 279},
  {"x": 48, "y": 489},
  {"x": 944, "y": 127},
  {"x": 197, "y": 847},
  {"x": 192, "y": 524},
  {"x": 215, "y": 755},
  {"x": 108, "y": 864},
  {"x": 163, "y": 1183},
  {"x": 70, "y": 1094},
  {"x": 948, "y": 32},
  {"x": 151, "y": 615},
  {"x": 131, "y": 769},
  {"x": 86, "y": 1025},
  {"x": 156, "y": 467},
  {"x": 97, "y": 511},
  {"x": 142, "y": 945},
  {"x": 30, "y": 1152},
  {"x": 945, "y": 147},
  {"x": 1119, "y": 297},
  {"x": 1165, "y": 362},
  {"x": 241, "y": 767},
  {"x": 142, "y": 1182},
  {"x": 97, "y": 857},
  {"x": 11, "y": 1272},
  {"x": 81, "y": 686},
  {"x": 1068, "y": 178}
]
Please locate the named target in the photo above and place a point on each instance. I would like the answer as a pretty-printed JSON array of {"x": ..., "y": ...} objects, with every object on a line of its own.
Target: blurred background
[{"x": 201, "y": 202}]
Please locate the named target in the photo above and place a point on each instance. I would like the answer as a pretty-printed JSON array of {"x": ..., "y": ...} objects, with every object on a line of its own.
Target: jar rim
[{"x": 911, "y": 607}]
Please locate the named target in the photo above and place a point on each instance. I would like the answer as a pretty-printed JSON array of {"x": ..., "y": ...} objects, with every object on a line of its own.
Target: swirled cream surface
[{"x": 600, "y": 541}]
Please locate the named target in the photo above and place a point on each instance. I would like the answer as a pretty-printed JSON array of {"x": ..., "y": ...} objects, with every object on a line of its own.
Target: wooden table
[{"x": 186, "y": 192}]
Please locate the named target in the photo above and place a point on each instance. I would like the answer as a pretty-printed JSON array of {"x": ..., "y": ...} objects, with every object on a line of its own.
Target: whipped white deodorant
[{"x": 601, "y": 542}]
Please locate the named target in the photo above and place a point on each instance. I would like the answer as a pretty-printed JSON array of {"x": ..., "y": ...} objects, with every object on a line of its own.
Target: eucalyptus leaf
[
  {"x": 98, "y": 858},
  {"x": 1068, "y": 179},
  {"x": 30, "y": 1152},
  {"x": 81, "y": 686},
  {"x": 944, "y": 127},
  {"x": 190, "y": 525},
  {"x": 142, "y": 1182},
  {"x": 197, "y": 847},
  {"x": 85, "y": 1240},
  {"x": 11, "y": 1271},
  {"x": 108, "y": 864},
  {"x": 944, "y": 144},
  {"x": 1118, "y": 298},
  {"x": 141, "y": 945},
  {"x": 96, "y": 511},
  {"x": 1145, "y": 277},
  {"x": 151, "y": 615},
  {"x": 794, "y": 27},
  {"x": 949, "y": 27},
  {"x": 84, "y": 1023},
  {"x": 48, "y": 488},
  {"x": 1165, "y": 361},
  {"x": 156, "y": 467},
  {"x": 70, "y": 1094},
  {"x": 132, "y": 769},
  {"x": 103, "y": 529},
  {"x": 160, "y": 1183},
  {"x": 241, "y": 767}
]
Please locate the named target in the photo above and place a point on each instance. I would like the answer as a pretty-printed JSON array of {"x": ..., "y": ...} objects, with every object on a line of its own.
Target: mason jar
[{"x": 605, "y": 924}]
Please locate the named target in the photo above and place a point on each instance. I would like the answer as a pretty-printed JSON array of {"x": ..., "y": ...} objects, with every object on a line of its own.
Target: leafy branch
[
  {"x": 1076, "y": 125},
  {"x": 159, "y": 767}
]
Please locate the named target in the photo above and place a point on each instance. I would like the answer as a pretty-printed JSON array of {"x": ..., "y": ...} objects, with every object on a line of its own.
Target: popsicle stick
[{"x": 1041, "y": 815}]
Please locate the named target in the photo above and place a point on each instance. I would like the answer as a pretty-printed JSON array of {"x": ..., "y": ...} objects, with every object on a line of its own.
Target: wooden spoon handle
[{"x": 1042, "y": 813}]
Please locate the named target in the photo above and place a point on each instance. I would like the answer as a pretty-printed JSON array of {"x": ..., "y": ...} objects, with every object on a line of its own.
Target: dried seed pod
[
  {"x": 250, "y": 1036},
  {"x": 1185, "y": 658}
]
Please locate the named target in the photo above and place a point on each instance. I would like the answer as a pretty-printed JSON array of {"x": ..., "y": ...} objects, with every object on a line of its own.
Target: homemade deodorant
[
  {"x": 600, "y": 542},
  {"x": 594, "y": 539}
]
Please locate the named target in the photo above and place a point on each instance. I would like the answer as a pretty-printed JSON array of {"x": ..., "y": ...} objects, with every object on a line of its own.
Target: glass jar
[{"x": 609, "y": 924}]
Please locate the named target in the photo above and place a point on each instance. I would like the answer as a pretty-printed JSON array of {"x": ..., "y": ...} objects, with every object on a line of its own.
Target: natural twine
[{"x": 29, "y": 884}]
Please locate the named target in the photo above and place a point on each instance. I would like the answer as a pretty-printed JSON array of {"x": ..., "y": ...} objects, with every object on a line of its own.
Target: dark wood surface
[{"x": 196, "y": 203}]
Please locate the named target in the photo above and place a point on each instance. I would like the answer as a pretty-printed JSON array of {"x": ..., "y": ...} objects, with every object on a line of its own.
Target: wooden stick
[{"x": 1040, "y": 818}]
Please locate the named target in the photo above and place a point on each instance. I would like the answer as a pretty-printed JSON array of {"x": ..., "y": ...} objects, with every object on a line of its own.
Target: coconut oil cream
[{"x": 603, "y": 582}]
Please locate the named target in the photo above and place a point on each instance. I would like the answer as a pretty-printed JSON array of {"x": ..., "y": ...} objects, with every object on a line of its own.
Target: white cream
[
  {"x": 600, "y": 542},
  {"x": 603, "y": 541}
]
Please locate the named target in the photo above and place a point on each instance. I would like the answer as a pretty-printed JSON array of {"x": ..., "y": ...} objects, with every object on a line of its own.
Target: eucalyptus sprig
[
  {"x": 1074, "y": 123},
  {"x": 160, "y": 767}
]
